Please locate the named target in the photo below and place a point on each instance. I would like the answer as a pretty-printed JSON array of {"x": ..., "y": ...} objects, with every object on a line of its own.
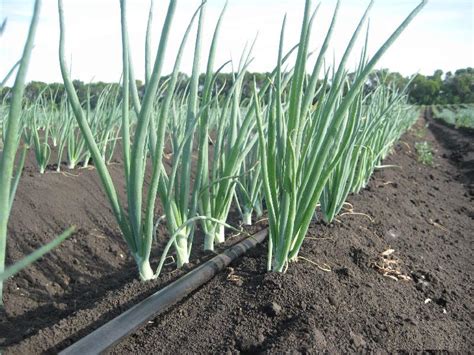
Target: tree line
[{"x": 437, "y": 89}]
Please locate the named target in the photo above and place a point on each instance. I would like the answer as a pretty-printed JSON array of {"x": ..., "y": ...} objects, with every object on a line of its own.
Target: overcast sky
[{"x": 441, "y": 37}]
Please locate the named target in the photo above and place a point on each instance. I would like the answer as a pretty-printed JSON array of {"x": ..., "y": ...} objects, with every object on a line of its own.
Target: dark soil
[
  {"x": 459, "y": 144},
  {"x": 425, "y": 214}
]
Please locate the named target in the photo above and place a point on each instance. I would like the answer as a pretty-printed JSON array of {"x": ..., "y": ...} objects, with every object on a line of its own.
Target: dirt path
[{"x": 424, "y": 213}]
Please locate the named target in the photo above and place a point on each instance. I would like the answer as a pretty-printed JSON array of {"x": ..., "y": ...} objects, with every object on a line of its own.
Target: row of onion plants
[
  {"x": 47, "y": 126},
  {"x": 304, "y": 135},
  {"x": 384, "y": 116},
  {"x": 299, "y": 141},
  {"x": 9, "y": 178},
  {"x": 187, "y": 121}
]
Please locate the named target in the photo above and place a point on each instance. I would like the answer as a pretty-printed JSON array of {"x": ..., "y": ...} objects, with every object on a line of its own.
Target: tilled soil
[{"x": 336, "y": 298}]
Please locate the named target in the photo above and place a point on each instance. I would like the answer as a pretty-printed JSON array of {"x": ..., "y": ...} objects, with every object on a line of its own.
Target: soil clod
[{"x": 273, "y": 309}]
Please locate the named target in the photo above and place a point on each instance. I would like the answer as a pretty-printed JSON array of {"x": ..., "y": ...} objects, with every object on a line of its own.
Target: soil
[{"x": 335, "y": 298}]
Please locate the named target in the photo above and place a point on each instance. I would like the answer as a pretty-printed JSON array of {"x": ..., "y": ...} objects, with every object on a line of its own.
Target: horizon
[{"x": 441, "y": 37}]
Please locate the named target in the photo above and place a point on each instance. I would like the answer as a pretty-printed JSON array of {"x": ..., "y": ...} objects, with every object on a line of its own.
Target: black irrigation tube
[{"x": 128, "y": 322}]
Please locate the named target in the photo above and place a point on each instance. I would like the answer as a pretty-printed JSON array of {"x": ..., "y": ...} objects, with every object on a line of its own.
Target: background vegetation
[{"x": 437, "y": 89}]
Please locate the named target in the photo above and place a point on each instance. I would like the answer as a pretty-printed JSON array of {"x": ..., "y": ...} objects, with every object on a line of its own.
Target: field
[
  {"x": 424, "y": 213},
  {"x": 309, "y": 208},
  {"x": 455, "y": 115}
]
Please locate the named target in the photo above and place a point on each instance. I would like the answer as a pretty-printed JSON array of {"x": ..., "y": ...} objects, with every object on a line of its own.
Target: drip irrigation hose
[{"x": 130, "y": 321}]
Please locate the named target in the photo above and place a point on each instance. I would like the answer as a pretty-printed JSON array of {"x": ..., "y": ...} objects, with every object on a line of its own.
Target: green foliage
[
  {"x": 420, "y": 132},
  {"x": 11, "y": 140},
  {"x": 465, "y": 118},
  {"x": 433, "y": 89},
  {"x": 458, "y": 116},
  {"x": 452, "y": 89},
  {"x": 309, "y": 136},
  {"x": 9, "y": 179},
  {"x": 425, "y": 153},
  {"x": 424, "y": 90}
]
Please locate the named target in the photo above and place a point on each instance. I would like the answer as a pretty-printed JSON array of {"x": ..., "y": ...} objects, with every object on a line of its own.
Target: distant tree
[
  {"x": 439, "y": 88},
  {"x": 424, "y": 90},
  {"x": 34, "y": 89}
]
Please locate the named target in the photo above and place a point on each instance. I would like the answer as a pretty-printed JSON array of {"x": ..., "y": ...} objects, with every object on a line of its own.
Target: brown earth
[{"x": 425, "y": 214}]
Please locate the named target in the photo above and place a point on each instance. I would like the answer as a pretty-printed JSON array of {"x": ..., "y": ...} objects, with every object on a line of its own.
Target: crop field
[
  {"x": 455, "y": 115},
  {"x": 301, "y": 210}
]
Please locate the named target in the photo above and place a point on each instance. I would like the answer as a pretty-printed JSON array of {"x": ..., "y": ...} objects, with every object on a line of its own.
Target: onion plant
[
  {"x": 76, "y": 147},
  {"x": 175, "y": 189},
  {"x": 218, "y": 177},
  {"x": 11, "y": 142},
  {"x": 249, "y": 184},
  {"x": 249, "y": 193},
  {"x": 36, "y": 122},
  {"x": 137, "y": 231},
  {"x": 104, "y": 121},
  {"x": 8, "y": 179},
  {"x": 3, "y": 121},
  {"x": 387, "y": 117},
  {"x": 301, "y": 144},
  {"x": 338, "y": 185},
  {"x": 64, "y": 124},
  {"x": 40, "y": 144},
  {"x": 382, "y": 119},
  {"x": 51, "y": 113},
  {"x": 10, "y": 73},
  {"x": 184, "y": 200},
  {"x": 137, "y": 227},
  {"x": 107, "y": 122}
]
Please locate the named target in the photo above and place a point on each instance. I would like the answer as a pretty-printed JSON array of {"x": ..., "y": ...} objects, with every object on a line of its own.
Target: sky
[{"x": 441, "y": 37}]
